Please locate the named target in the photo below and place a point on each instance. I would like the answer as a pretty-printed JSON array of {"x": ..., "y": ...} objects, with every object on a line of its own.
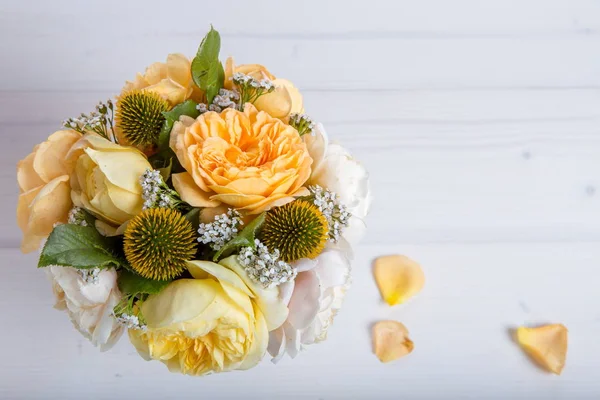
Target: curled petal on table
[
  {"x": 390, "y": 341},
  {"x": 546, "y": 345},
  {"x": 398, "y": 278}
]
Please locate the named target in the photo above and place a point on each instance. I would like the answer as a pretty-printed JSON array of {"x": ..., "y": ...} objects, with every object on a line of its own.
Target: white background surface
[{"x": 479, "y": 122}]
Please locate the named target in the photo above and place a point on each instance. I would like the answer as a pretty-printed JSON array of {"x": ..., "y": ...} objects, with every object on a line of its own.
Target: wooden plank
[
  {"x": 439, "y": 183},
  {"x": 389, "y": 63},
  {"x": 310, "y": 18},
  {"x": 460, "y": 324}
]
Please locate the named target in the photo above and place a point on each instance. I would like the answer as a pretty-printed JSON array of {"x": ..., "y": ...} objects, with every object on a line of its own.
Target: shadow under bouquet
[{"x": 202, "y": 211}]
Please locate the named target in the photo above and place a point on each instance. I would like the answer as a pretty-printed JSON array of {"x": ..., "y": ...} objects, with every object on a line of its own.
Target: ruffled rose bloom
[
  {"x": 283, "y": 101},
  {"x": 105, "y": 179},
  {"x": 217, "y": 322},
  {"x": 247, "y": 160},
  {"x": 44, "y": 188},
  {"x": 313, "y": 300},
  {"x": 171, "y": 80},
  {"x": 335, "y": 169},
  {"x": 89, "y": 305}
]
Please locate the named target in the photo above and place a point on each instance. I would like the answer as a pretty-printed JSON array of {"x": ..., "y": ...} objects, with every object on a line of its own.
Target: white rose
[
  {"x": 89, "y": 305},
  {"x": 313, "y": 300},
  {"x": 335, "y": 169}
]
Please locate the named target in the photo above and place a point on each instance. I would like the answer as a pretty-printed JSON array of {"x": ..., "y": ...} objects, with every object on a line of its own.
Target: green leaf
[
  {"x": 194, "y": 217},
  {"x": 188, "y": 108},
  {"x": 214, "y": 80},
  {"x": 244, "y": 239},
  {"x": 207, "y": 71},
  {"x": 165, "y": 172},
  {"x": 80, "y": 247},
  {"x": 132, "y": 283}
]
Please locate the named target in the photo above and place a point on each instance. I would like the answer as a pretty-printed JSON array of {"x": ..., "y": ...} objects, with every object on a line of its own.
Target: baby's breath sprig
[
  {"x": 251, "y": 88},
  {"x": 77, "y": 216},
  {"x": 264, "y": 266},
  {"x": 337, "y": 214},
  {"x": 100, "y": 121},
  {"x": 127, "y": 313},
  {"x": 90, "y": 276},
  {"x": 224, "y": 228},
  {"x": 156, "y": 193},
  {"x": 303, "y": 124},
  {"x": 225, "y": 99}
]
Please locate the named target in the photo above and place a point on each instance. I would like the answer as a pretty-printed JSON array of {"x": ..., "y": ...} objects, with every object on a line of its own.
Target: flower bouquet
[{"x": 202, "y": 211}]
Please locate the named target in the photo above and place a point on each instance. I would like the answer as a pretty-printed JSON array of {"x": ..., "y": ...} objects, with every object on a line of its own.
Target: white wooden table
[{"x": 480, "y": 124}]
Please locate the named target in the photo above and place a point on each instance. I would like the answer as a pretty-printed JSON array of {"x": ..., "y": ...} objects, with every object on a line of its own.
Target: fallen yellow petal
[
  {"x": 398, "y": 278},
  {"x": 390, "y": 341},
  {"x": 546, "y": 345}
]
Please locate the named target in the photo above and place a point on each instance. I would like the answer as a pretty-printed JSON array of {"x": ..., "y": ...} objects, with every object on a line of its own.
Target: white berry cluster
[
  {"x": 131, "y": 321},
  {"x": 90, "y": 276},
  {"x": 265, "y": 267},
  {"x": 77, "y": 217},
  {"x": 155, "y": 192},
  {"x": 224, "y": 228},
  {"x": 303, "y": 124},
  {"x": 336, "y": 213}
]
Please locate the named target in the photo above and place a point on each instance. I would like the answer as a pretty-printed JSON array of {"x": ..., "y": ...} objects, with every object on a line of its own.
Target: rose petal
[
  {"x": 546, "y": 345},
  {"x": 190, "y": 192},
  {"x": 390, "y": 341},
  {"x": 304, "y": 304},
  {"x": 398, "y": 278}
]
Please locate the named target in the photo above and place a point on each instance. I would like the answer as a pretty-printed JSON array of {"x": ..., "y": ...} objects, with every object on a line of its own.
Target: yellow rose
[
  {"x": 248, "y": 160},
  {"x": 105, "y": 179},
  {"x": 171, "y": 80},
  {"x": 44, "y": 188},
  {"x": 283, "y": 101},
  {"x": 219, "y": 321}
]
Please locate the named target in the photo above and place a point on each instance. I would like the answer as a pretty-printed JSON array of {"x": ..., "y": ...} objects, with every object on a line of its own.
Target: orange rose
[
  {"x": 283, "y": 101},
  {"x": 247, "y": 160},
  {"x": 171, "y": 80},
  {"x": 45, "y": 190}
]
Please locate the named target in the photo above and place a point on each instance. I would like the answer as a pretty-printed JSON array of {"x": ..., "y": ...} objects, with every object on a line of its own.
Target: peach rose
[
  {"x": 283, "y": 101},
  {"x": 248, "y": 160},
  {"x": 171, "y": 80},
  {"x": 44, "y": 188}
]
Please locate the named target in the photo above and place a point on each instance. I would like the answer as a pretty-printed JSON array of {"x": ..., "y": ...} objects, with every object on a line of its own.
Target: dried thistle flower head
[
  {"x": 297, "y": 229},
  {"x": 546, "y": 345},
  {"x": 158, "y": 242},
  {"x": 139, "y": 117},
  {"x": 390, "y": 341},
  {"x": 398, "y": 278}
]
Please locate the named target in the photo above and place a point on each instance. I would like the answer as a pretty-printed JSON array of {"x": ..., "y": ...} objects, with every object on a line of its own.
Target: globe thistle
[
  {"x": 297, "y": 229},
  {"x": 158, "y": 242},
  {"x": 139, "y": 117}
]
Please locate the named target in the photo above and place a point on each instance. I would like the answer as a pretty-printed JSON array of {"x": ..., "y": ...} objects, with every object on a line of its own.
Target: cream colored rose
[
  {"x": 247, "y": 160},
  {"x": 105, "y": 179},
  {"x": 218, "y": 321},
  {"x": 44, "y": 187},
  {"x": 172, "y": 80},
  {"x": 283, "y": 101},
  {"x": 89, "y": 304}
]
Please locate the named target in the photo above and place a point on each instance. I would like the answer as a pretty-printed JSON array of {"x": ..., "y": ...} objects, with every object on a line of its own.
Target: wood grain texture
[{"x": 480, "y": 125}]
